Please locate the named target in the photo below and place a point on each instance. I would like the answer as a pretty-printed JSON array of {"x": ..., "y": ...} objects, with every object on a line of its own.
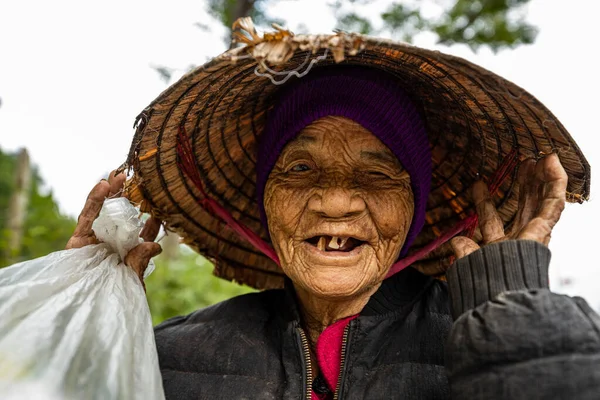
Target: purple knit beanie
[{"x": 365, "y": 95}]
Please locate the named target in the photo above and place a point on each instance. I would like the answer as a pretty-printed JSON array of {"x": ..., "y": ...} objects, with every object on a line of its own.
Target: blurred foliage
[
  {"x": 45, "y": 228},
  {"x": 354, "y": 23},
  {"x": 180, "y": 286},
  {"x": 496, "y": 24},
  {"x": 227, "y": 11},
  {"x": 493, "y": 23}
]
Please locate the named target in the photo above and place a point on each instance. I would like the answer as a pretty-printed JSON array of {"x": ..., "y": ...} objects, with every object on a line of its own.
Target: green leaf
[
  {"x": 354, "y": 23},
  {"x": 495, "y": 24},
  {"x": 403, "y": 22}
]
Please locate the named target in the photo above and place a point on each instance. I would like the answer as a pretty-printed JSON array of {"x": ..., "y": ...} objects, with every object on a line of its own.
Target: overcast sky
[{"x": 74, "y": 74}]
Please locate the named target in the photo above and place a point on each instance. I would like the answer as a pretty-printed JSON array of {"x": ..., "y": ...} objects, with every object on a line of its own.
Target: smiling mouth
[{"x": 335, "y": 243}]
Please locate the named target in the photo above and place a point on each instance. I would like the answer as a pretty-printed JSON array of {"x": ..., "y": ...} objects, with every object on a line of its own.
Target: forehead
[{"x": 337, "y": 133}]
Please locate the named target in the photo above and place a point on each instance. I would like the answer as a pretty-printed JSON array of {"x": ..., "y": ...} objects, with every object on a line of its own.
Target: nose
[{"x": 337, "y": 202}]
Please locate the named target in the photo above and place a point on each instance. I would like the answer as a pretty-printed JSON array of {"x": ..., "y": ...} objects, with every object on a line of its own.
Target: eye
[
  {"x": 378, "y": 174},
  {"x": 300, "y": 168}
]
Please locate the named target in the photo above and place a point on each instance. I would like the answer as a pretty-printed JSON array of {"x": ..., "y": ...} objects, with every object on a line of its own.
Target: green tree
[
  {"x": 45, "y": 228},
  {"x": 496, "y": 24},
  {"x": 185, "y": 284}
]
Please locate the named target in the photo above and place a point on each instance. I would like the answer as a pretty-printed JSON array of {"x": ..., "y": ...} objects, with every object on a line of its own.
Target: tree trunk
[
  {"x": 17, "y": 206},
  {"x": 243, "y": 8}
]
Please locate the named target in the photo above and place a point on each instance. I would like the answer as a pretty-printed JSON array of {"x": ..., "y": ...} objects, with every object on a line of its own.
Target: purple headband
[{"x": 365, "y": 95}]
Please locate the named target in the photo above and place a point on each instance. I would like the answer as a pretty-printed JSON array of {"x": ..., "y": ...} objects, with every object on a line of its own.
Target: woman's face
[{"x": 339, "y": 205}]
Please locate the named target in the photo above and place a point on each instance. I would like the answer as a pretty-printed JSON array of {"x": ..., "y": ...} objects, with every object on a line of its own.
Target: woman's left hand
[{"x": 542, "y": 189}]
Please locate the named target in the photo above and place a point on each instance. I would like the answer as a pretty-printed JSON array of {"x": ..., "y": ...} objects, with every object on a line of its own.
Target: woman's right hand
[
  {"x": 139, "y": 257},
  {"x": 542, "y": 196}
]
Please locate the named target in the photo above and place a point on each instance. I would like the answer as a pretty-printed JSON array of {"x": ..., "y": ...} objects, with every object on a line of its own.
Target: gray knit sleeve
[
  {"x": 512, "y": 337},
  {"x": 496, "y": 268}
]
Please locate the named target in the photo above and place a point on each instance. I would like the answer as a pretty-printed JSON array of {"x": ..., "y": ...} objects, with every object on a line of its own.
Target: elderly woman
[{"x": 360, "y": 170}]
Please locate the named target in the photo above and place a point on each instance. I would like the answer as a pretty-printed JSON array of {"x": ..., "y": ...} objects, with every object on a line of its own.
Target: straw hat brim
[{"x": 474, "y": 118}]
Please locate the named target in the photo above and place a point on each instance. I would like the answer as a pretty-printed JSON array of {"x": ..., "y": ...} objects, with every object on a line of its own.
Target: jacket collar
[{"x": 395, "y": 293}]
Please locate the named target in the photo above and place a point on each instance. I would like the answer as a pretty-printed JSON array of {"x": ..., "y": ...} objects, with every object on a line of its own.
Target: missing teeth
[
  {"x": 337, "y": 242},
  {"x": 333, "y": 243}
]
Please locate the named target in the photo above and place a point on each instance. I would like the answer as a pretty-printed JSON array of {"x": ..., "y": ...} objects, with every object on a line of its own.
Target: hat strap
[
  {"x": 467, "y": 224},
  {"x": 187, "y": 163}
]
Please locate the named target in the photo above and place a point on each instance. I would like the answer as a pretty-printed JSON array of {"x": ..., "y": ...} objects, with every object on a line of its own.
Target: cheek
[
  {"x": 284, "y": 207},
  {"x": 392, "y": 212}
]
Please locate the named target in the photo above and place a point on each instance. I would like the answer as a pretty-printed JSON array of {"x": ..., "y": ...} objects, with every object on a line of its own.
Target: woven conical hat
[{"x": 474, "y": 119}]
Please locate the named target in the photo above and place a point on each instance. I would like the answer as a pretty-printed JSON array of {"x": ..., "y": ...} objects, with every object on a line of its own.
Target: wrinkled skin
[{"x": 337, "y": 179}]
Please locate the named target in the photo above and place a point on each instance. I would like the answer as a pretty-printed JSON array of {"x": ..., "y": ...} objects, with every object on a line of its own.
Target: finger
[
  {"x": 116, "y": 183},
  {"x": 490, "y": 223},
  {"x": 527, "y": 204},
  {"x": 463, "y": 246},
  {"x": 77, "y": 242},
  {"x": 139, "y": 257},
  {"x": 555, "y": 179},
  {"x": 150, "y": 229},
  {"x": 537, "y": 229},
  {"x": 91, "y": 209}
]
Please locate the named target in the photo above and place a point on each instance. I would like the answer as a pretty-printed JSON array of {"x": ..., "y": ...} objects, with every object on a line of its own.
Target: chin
[
  {"x": 335, "y": 274},
  {"x": 339, "y": 283}
]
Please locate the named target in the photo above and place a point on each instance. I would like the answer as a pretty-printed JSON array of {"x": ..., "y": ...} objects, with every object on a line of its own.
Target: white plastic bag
[{"x": 76, "y": 325}]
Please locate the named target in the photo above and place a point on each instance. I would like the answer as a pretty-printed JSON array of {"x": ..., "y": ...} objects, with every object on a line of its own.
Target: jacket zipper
[
  {"x": 306, "y": 354},
  {"x": 336, "y": 395}
]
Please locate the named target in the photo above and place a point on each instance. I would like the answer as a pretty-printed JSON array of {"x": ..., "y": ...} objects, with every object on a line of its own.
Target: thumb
[
  {"x": 462, "y": 246},
  {"x": 139, "y": 257}
]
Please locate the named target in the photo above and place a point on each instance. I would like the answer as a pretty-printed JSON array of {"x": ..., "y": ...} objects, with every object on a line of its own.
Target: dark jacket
[{"x": 511, "y": 339}]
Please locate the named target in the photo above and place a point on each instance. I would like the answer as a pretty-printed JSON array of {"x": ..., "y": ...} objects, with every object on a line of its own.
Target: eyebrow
[{"x": 381, "y": 156}]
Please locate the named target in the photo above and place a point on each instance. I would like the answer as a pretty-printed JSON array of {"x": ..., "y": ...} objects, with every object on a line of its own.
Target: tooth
[
  {"x": 344, "y": 240},
  {"x": 334, "y": 244},
  {"x": 322, "y": 244}
]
